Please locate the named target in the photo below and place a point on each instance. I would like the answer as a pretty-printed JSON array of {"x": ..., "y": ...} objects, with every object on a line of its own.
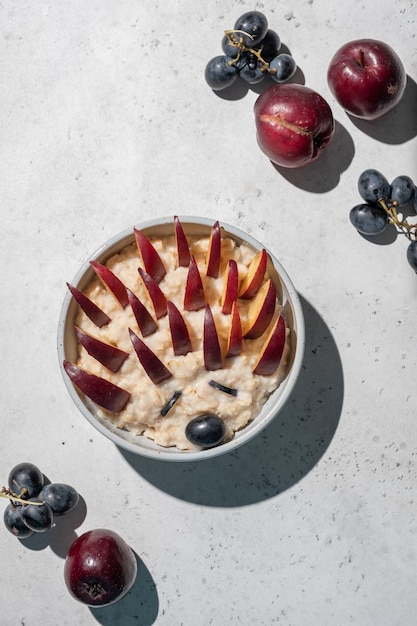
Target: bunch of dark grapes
[
  {"x": 250, "y": 52},
  {"x": 33, "y": 503},
  {"x": 383, "y": 204}
]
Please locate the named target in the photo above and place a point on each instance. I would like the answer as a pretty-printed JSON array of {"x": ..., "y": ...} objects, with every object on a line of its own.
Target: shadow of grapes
[
  {"x": 323, "y": 174},
  {"x": 388, "y": 237},
  {"x": 397, "y": 126},
  {"x": 391, "y": 233},
  {"x": 139, "y": 607},
  {"x": 278, "y": 457},
  {"x": 61, "y": 535}
]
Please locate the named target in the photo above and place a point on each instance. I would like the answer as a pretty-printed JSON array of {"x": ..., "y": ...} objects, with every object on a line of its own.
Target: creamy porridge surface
[{"x": 142, "y": 414}]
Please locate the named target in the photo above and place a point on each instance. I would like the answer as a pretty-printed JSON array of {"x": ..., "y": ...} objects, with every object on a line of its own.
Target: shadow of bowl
[
  {"x": 278, "y": 457},
  {"x": 63, "y": 532}
]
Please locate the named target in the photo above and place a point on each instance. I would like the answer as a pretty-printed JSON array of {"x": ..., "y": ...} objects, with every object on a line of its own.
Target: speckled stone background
[{"x": 106, "y": 121}]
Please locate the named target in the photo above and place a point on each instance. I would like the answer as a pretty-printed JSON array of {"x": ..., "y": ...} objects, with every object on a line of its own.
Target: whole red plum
[
  {"x": 294, "y": 124},
  {"x": 367, "y": 78},
  {"x": 100, "y": 568}
]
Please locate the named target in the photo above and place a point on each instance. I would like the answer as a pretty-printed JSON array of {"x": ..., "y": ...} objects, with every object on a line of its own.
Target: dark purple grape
[
  {"x": 37, "y": 517},
  {"x": 206, "y": 430},
  {"x": 402, "y": 189},
  {"x": 269, "y": 46},
  {"x": 252, "y": 72},
  {"x": 243, "y": 60},
  {"x": 412, "y": 255},
  {"x": 14, "y": 523},
  {"x": 219, "y": 74},
  {"x": 229, "y": 49},
  {"x": 254, "y": 26},
  {"x": 25, "y": 480},
  {"x": 60, "y": 497},
  {"x": 372, "y": 186},
  {"x": 283, "y": 67},
  {"x": 369, "y": 219}
]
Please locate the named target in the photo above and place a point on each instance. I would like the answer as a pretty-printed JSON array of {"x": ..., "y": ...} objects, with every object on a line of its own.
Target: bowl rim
[{"x": 269, "y": 410}]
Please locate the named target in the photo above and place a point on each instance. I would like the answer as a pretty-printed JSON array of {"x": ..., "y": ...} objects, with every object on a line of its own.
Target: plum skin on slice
[
  {"x": 180, "y": 336},
  {"x": 152, "y": 262},
  {"x": 112, "y": 282},
  {"x": 183, "y": 249},
  {"x": 211, "y": 346},
  {"x": 108, "y": 355},
  {"x": 272, "y": 350},
  {"x": 261, "y": 311},
  {"x": 93, "y": 312},
  {"x": 214, "y": 251},
  {"x": 101, "y": 391},
  {"x": 155, "y": 293},
  {"x": 194, "y": 297},
  {"x": 152, "y": 365},
  {"x": 230, "y": 287},
  {"x": 144, "y": 319}
]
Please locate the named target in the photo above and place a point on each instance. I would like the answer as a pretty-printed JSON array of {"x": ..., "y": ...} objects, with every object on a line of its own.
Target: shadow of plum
[
  {"x": 323, "y": 174},
  {"x": 139, "y": 607},
  {"x": 397, "y": 126}
]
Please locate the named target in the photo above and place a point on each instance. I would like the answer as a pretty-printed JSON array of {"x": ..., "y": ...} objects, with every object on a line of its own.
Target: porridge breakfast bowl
[{"x": 181, "y": 338}]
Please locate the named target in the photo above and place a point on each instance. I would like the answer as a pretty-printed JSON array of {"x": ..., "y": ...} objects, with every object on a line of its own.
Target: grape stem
[
  {"x": 241, "y": 48},
  {"x": 6, "y": 493},
  {"x": 361, "y": 58},
  {"x": 409, "y": 230}
]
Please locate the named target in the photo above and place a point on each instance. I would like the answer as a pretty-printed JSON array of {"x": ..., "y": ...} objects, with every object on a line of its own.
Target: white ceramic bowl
[{"x": 68, "y": 345}]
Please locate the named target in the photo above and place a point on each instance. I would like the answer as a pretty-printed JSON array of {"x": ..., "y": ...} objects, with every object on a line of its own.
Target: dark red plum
[
  {"x": 293, "y": 123},
  {"x": 367, "y": 78},
  {"x": 100, "y": 568}
]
